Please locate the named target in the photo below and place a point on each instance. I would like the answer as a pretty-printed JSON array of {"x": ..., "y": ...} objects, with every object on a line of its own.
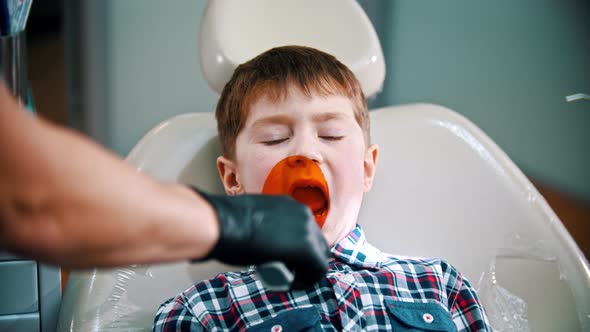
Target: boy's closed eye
[
  {"x": 281, "y": 140},
  {"x": 275, "y": 141},
  {"x": 331, "y": 138},
  {"x": 272, "y": 135},
  {"x": 331, "y": 133}
]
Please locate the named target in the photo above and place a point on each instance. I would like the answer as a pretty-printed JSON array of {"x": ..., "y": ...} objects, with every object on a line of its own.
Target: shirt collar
[{"x": 355, "y": 250}]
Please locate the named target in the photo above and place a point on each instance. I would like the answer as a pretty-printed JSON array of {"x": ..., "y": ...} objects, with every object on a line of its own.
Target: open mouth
[
  {"x": 314, "y": 195},
  {"x": 303, "y": 180}
]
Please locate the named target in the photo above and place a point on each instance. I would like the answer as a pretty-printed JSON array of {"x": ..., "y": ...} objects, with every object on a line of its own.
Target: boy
[{"x": 298, "y": 102}]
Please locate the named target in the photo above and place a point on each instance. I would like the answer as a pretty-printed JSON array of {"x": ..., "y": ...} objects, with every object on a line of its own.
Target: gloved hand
[{"x": 256, "y": 229}]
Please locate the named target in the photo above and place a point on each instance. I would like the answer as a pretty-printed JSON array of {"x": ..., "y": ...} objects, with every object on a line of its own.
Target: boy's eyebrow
[
  {"x": 285, "y": 119},
  {"x": 274, "y": 119},
  {"x": 325, "y": 116}
]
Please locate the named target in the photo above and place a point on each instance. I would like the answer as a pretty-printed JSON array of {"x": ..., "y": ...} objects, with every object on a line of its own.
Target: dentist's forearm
[
  {"x": 177, "y": 227},
  {"x": 65, "y": 200}
]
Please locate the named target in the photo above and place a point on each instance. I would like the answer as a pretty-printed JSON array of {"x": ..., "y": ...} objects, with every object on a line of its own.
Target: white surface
[
  {"x": 442, "y": 189},
  {"x": 234, "y": 31}
]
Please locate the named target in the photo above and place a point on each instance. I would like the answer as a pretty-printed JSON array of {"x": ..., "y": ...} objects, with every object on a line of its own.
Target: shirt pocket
[
  {"x": 417, "y": 316},
  {"x": 297, "y": 319}
]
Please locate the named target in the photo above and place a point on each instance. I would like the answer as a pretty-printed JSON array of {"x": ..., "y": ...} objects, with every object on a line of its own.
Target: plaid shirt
[{"x": 364, "y": 289}]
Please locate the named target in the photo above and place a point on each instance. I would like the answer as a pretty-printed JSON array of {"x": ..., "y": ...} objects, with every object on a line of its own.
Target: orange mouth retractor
[{"x": 302, "y": 179}]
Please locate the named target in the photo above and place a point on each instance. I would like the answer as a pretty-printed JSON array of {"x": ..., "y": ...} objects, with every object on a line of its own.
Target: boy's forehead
[{"x": 295, "y": 104}]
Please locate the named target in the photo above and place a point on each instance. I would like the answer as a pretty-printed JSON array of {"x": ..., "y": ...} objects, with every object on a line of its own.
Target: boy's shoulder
[
  {"x": 419, "y": 265},
  {"x": 219, "y": 292},
  {"x": 396, "y": 264},
  {"x": 227, "y": 279},
  {"x": 210, "y": 290},
  {"x": 201, "y": 304}
]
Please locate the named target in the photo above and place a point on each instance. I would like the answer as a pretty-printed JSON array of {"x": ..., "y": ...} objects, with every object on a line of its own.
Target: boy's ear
[
  {"x": 370, "y": 165},
  {"x": 229, "y": 177}
]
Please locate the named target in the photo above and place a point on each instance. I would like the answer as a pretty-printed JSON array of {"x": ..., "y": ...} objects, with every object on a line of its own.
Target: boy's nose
[
  {"x": 306, "y": 153},
  {"x": 298, "y": 161},
  {"x": 306, "y": 145}
]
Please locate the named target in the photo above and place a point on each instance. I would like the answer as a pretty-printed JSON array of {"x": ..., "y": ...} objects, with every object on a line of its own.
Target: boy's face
[{"x": 322, "y": 129}]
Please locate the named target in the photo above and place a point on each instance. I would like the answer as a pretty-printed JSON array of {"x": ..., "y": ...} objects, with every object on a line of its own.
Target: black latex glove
[{"x": 256, "y": 229}]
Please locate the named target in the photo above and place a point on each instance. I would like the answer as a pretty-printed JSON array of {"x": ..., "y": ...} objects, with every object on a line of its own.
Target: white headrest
[{"x": 235, "y": 31}]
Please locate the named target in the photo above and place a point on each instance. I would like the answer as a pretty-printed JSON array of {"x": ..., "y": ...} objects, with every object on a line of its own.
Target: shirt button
[
  {"x": 276, "y": 328},
  {"x": 349, "y": 278},
  {"x": 338, "y": 275},
  {"x": 428, "y": 318}
]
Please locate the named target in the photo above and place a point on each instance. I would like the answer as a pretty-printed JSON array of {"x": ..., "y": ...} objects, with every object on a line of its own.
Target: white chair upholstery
[
  {"x": 235, "y": 31},
  {"x": 443, "y": 188}
]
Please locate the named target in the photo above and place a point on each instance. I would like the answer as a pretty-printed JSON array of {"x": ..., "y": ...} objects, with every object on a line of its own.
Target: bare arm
[{"x": 67, "y": 201}]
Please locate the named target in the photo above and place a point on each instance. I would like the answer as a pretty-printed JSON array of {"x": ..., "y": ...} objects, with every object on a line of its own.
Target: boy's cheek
[
  {"x": 347, "y": 175},
  {"x": 253, "y": 170},
  {"x": 252, "y": 179}
]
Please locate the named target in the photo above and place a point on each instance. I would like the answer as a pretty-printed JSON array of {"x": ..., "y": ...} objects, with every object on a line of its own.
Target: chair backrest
[
  {"x": 233, "y": 32},
  {"x": 443, "y": 189}
]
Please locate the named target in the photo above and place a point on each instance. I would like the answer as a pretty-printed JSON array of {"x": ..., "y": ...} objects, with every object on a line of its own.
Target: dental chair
[{"x": 443, "y": 188}]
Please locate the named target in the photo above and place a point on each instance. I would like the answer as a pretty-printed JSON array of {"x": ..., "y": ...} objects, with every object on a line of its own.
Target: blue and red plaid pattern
[{"x": 354, "y": 295}]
